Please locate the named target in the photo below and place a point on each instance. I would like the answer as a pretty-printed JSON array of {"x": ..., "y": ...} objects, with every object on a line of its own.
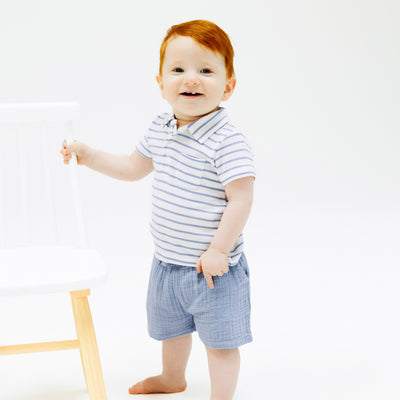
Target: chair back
[{"x": 39, "y": 196}]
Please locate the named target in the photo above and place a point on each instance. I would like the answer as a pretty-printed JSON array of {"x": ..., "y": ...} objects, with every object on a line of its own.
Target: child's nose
[{"x": 192, "y": 80}]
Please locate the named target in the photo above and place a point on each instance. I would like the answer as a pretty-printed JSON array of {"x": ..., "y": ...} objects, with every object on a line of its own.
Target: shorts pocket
[{"x": 243, "y": 268}]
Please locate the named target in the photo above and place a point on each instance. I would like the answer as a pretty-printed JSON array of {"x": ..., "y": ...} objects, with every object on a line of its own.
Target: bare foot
[{"x": 157, "y": 384}]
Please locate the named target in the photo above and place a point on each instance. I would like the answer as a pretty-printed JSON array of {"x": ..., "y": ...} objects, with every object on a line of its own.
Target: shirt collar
[
  {"x": 202, "y": 128},
  {"x": 170, "y": 124}
]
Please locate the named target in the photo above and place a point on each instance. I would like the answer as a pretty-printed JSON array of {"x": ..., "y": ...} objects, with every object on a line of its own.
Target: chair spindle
[
  {"x": 49, "y": 192},
  {"x": 23, "y": 186}
]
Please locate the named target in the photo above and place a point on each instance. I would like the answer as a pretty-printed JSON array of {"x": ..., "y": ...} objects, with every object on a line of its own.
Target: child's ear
[
  {"x": 160, "y": 82},
  {"x": 229, "y": 88}
]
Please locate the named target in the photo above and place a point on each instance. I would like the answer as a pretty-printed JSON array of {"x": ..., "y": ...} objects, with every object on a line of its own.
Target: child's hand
[
  {"x": 213, "y": 263},
  {"x": 80, "y": 149}
]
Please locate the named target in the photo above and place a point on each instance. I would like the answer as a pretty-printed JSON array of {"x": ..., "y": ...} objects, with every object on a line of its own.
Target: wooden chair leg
[{"x": 88, "y": 345}]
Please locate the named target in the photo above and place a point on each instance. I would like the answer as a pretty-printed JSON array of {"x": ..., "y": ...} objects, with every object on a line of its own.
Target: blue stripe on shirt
[
  {"x": 187, "y": 190},
  {"x": 185, "y": 198},
  {"x": 187, "y": 208},
  {"x": 174, "y": 221},
  {"x": 216, "y": 219}
]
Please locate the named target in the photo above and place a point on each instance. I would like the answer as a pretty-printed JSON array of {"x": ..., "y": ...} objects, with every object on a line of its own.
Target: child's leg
[
  {"x": 224, "y": 365},
  {"x": 175, "y": 355}
]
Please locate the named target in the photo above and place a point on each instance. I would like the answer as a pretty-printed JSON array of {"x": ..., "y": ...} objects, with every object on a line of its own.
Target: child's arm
[
  {"x": 214, "y": 261},
  {"x": 125, "y": 167}
]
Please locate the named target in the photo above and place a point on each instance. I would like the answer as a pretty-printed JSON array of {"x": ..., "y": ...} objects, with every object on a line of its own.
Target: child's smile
[
  {"x": 193, "y": 80},
  {"x": 191, "y": 94}
]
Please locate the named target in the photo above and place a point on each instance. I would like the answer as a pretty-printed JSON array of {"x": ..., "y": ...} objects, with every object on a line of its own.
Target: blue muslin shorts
[{"x": 180, "y": 302}]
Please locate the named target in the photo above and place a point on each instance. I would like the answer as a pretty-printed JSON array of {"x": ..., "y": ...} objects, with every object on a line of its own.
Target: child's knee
[{"x": 222, "y": 353}]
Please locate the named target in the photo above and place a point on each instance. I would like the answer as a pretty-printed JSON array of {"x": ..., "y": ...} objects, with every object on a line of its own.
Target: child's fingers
[
  {"x": 209, "y": 280},
  {"x": 65, "y": 153},
  {"x": 198, "y": 266}
]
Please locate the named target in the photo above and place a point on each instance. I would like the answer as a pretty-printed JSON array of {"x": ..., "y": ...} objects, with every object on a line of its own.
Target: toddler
[{"x": 202, "y": 195}]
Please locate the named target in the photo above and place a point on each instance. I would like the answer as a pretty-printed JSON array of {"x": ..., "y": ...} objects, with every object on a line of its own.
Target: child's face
[{"x": 193, "y": 79}]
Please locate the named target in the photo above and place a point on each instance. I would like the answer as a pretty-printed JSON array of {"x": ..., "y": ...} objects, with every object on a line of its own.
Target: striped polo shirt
[{"x": 192, "y": 165}]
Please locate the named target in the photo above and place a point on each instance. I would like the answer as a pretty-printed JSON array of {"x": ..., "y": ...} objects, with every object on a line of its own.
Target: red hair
[{"x": 205, "y": 33}]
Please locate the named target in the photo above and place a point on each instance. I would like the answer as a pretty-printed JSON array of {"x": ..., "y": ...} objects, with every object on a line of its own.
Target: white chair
[{"x": 34, "y": 262}]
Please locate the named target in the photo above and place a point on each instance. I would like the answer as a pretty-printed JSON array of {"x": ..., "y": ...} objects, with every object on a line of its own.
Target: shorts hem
[
  {"x": 227, "y": 345},
  {"x": 171, "y": 336}
]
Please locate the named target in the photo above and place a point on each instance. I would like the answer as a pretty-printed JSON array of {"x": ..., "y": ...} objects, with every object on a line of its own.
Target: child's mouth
[{"x": 191, "y": 94}]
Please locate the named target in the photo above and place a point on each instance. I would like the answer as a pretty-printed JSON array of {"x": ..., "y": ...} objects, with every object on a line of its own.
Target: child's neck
[{"x": 182, "y": 121}]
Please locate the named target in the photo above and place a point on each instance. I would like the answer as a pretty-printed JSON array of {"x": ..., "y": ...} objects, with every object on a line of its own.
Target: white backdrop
[{"x": 317, "y": 95}]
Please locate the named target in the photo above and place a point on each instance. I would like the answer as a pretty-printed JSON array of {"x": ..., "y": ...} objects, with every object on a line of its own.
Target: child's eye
[
  {"x": 206, "y": 71},
  {"x": 178, "y": 69}
]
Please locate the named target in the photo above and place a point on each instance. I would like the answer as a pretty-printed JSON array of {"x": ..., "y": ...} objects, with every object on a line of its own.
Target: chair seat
[{"x": 37, "y": 270}]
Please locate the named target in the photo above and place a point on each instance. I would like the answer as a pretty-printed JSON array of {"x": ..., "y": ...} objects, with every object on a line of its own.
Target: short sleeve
[
  {"x": 155, "y": 133},
  {"x": 143, "y": 147},
  {"x": 234, "y": 159}
]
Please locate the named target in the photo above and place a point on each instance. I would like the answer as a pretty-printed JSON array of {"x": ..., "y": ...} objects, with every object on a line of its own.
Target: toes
[{"x": 137, "y": 389}]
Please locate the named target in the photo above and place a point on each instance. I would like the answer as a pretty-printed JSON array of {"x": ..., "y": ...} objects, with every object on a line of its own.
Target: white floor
[{"x": 325, "y": 321}]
